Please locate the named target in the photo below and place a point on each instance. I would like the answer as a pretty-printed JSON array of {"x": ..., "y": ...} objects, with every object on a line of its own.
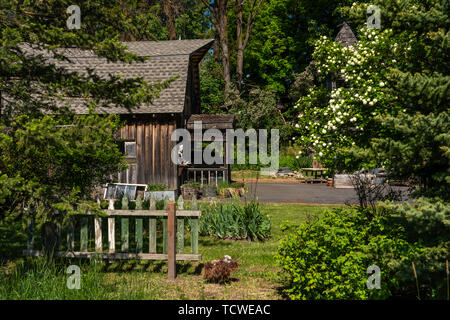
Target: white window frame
[{"x": 125, "y": 191}]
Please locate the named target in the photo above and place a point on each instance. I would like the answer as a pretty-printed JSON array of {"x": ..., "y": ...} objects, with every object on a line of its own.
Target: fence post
[
  {"x": 180, "y": 227},
  {"x": 138, "y": 229},
  {"x": 165, "y": 235},
  {"x": 194, "y": 227},
  {"x": 111, "y": 229},
  {"x": 98, "y": 234},
  {"x": 152, "y": 226},
  {"x": 125, "y": 226},
  {"x": 171, "y": 255}
]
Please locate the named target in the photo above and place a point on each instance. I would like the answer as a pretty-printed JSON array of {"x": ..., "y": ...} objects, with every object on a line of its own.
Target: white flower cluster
[{"x": 362, "y": 68}]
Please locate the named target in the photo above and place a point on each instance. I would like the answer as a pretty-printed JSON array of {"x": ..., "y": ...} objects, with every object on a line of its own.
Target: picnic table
[{"x": 314, "y": 174}]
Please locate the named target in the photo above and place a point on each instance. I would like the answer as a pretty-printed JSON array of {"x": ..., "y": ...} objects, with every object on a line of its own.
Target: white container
[{"x": 342, "y": 181}]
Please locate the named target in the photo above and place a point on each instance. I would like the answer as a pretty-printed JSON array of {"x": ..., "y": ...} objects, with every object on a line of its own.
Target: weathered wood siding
[{"x": 153, "y": 148}]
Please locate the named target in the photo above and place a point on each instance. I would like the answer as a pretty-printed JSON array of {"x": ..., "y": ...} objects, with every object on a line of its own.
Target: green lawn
[{"x": 256, "y": 277}]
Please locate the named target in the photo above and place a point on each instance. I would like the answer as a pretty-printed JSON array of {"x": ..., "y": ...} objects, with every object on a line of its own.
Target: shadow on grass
[
  {"x": 228, "y": 282},
  {"x": 211, "y": 242},
  {"x": 124, "y": 266}
]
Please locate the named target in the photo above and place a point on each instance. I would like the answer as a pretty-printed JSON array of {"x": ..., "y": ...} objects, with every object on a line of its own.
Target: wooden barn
[{"x": 146, "y": 136}]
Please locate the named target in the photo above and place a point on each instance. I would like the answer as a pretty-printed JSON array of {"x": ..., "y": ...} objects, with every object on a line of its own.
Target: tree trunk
[
  {"x": 170, "y": 11},
  {"x": 225, "y": 63},
  {"x": 240, "y": 46},
  {"x": 219, "y": 11},
  {"x": 241, "y": 40},
  {"x": 222, "y": 28}
]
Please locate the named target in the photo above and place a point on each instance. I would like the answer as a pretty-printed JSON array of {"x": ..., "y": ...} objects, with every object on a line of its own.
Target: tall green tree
[
  {"x": 281, "y": 44},
  {"x": 393, "y": 109},
  {"x": 193, "y": 22},
  {"x": 50, "y": 158}
]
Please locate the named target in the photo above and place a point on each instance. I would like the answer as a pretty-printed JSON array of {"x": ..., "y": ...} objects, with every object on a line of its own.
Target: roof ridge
[{"x": 158, "y": 41}]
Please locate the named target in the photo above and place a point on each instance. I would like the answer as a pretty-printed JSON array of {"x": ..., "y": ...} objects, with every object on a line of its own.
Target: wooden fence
[{"x": 173, "y": 234}]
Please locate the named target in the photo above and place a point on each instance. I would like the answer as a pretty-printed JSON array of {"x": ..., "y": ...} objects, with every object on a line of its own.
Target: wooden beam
[
  {"x": 206, "y": 169},
  {"x": 117, "y": 255},
  {"x": 152, "y": 213},
  {"x": 98, "y": 234},
  {"x": 111, "y": 235},
  {"x": 171, "y": 248}
]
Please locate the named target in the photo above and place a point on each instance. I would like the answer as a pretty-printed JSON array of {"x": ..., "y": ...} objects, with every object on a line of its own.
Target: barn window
[{"x": 130, "y": 149}]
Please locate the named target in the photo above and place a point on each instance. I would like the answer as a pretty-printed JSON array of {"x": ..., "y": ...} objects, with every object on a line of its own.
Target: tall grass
[
  {"x": 234, "y": 220},
  {"x": 39, "y": 279}
]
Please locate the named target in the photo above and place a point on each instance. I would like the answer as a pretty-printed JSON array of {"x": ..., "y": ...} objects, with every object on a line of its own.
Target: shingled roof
[
  {"x": 346, "y": 36},
  {"x": 212, "y": 121},
  {"x": 168, "y": 59}
]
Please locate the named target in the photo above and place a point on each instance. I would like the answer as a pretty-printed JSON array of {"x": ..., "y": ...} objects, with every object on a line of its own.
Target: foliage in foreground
[
  {"x": 40, "y": 279},
  {"x": 50, "y": 158},
  {"x": 328, "y": 258},
  {"x": 234, "y": 220}
]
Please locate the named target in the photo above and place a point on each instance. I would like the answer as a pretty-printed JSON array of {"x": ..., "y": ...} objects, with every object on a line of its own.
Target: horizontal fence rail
[{"x": 149, "y": 217}]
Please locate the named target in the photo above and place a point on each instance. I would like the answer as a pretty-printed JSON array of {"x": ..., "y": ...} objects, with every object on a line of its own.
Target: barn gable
[{"x": 346, "y": 36}]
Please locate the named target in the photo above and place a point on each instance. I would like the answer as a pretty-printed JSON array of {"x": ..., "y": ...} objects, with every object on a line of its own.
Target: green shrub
[
  {"x": 328, "y": 258},
  {"x": 237, "y": 185},
  {"x": 193, "y": 184},
  {"x": 224, "y": 184},
  {"x": 104, "y": 204},
  {"x": 427, "y": 220},
  {"x": 234, "y": 220},
  {"x": 303, "y": 162},
  {"x": 285, "y": 160},
  {"x": 295, "y": 163},
  {"x": 427, "y": 226},
  {"x": 156, "y": 187}
]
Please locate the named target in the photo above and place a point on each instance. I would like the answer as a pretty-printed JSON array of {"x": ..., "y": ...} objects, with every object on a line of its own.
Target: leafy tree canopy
[
  {"x": 51, "y": 158},
  {"x": 393, "y": 109}
]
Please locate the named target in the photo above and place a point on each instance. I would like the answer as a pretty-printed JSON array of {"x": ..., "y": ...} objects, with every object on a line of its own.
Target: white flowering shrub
[
  {"x": 392, "y": 110},
  {"x": 332, "y": 121}
]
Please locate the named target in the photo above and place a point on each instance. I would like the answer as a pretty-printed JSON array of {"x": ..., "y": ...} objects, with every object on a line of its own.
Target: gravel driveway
[{"x": 302, "y": 193}]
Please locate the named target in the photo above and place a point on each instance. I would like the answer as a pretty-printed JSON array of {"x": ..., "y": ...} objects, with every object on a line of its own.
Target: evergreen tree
[
  {"x": 414, "y": 142},
  {"x": 50, "y": 158},
  {"x": 393, "y": 109}
]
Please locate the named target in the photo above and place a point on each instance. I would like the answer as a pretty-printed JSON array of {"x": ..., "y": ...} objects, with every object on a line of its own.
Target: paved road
[{"x": 302, "y": 193}]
